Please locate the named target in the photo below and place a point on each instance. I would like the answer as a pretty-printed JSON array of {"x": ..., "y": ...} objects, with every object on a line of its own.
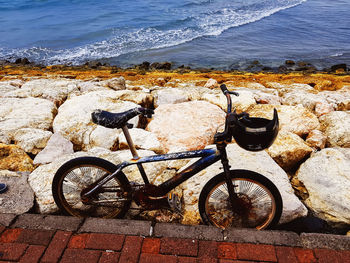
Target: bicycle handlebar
[{"x": 227, "y": 93}]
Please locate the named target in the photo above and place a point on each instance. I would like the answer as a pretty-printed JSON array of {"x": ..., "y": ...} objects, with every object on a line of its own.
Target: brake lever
[{"x": 233, "y": 93}]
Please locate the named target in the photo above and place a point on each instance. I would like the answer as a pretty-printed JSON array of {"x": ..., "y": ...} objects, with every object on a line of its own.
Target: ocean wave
[{"x": 196, "y": 25}]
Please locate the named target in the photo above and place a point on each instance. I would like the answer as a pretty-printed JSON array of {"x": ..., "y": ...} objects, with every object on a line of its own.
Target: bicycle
[{"x": 91, "y": 186}]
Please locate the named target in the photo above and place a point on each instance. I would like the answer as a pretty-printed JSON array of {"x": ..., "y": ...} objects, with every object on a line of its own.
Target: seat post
[{"x": 132, "y": 148}]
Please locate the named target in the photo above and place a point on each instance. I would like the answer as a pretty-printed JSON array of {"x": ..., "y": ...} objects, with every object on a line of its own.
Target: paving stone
[
  {"x": 279, "y": 238},
  {"x": 12, "y": 251},
  {"x": 109, "y": 257},
  {"x": 116, "y": 226},
  {"x": 10, "y": 235},
  {"x": 327, "y": 256},
  {"x": 33, "y": 254},
  {"x": 35, "y": 221},
  {"x": 56, "y": 247},
  {"x": 35, "y": 237},
  {"x": 151, "y": 245},
  {"x": 304, "y": 255},
  {"x": 256, "y": 252},
  {"x": 227, "y": 250},
  {"x": 79, "y": 241},
  {"x": 187, "y": 260},
  {"x": 105, "y": 241},
  {"x": 200, "y": 232},
  {"x": 285, "y": 255},
  {"x": 131, "y": 249},
  {"x": 207, "y": 249},
  {"x": 6, "y": 219},
  {"x": 156, "y": 258},
  {"x": 77, "y": 255},
  {"x": 179, "y": 247},
  {"x": 325, "y": 241}
]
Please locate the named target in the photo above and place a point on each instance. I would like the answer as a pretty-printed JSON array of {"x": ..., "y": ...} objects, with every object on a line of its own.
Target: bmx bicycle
[{"x": 94, "y": 187}]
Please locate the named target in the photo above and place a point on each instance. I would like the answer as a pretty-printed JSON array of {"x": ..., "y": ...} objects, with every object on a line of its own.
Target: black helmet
[{"x": 255, "y": 134}]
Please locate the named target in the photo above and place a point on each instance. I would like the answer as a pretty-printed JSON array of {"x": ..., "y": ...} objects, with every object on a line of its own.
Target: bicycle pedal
[{"x": 174, "y": 202}]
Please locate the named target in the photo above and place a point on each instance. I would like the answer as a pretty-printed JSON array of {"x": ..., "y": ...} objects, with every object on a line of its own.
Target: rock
[
  {"x": 326, "y": 176},
  {"x": 326, "y": 85},
  {"x": 266, "y": 98},
  {"x": 339, "y": 68},
  {"x": 6, "y": 87},
  {"x": 211, "y": 84},
  {"x": 115, "y": 83},
  {"x": 187, "y": 125},
  {"x": 160, "y": 82},
  {"x": 259, "y": 162},
  {"x": 56, "y": 147},
  {"x": 25, "y": 113},
  {"x": 161, "y": 65},
  {"x": 336, "y": 126},
  {"x": 73, "y": 120},
  {"x": 13, "y": 158},
  {"x": 145, "y": 99},
  {"x": 316, "y": 140},
  {"x": 243, "y": 102},
  {"x": 19, "y": 198},
  {"x": 50, "y": 89},
  {"x": 169, "y": 96},
  {"x": 307, "y": 99},
  {"x": 142, "y": 140},
  {"x": 288, "y": 150},
  {"x": 323, "y": 108},
  {"x": 104, "y": 137},
  {"x": 32, "y": 140},
  {"x": 340, "y": 99},
  {"x": 89, "y": 86},
  {"x": 289, "y": 62},
  {"x": 296, "y": 119}
]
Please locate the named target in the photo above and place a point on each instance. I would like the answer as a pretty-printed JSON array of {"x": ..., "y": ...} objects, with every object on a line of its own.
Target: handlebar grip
[{"x": 223, "y": 88}]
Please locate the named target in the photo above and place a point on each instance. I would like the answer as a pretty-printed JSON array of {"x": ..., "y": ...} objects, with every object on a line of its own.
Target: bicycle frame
[{"x": 207, "y": 158}]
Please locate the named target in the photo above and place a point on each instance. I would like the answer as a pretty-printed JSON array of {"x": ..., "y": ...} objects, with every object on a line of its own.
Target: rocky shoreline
[{"x": 45, "y": 121}]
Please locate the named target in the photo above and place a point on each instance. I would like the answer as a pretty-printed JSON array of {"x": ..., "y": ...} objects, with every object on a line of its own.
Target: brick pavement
[{"x": 29, "y": 238}]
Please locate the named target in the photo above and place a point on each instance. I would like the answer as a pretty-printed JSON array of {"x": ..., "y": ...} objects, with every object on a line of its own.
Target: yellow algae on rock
[{"x": 13, "y": 158}]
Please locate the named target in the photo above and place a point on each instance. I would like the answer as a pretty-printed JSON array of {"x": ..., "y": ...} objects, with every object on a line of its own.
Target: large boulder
[
  {"x": 259, "y": 162},
  {"x": 13, "y": 158},
  {"x": 19, "y": 198},
  {"x": 74, "y": 122},
  {"x": 32, "y": 140},
  {"x": 340, "y": 99},
  {"x": 326, "y": 176},
  {"x": 51, "y": 89},
  {"x": 17, "y": 113},
  {"x": 142, "y": 140},
  {"x": 296, "y": 119},
  {"x": 187, "y": 125},
  {"x": 169, "y": 96},
  {"x": 288, "y": 150},
  {"x": 336, "y": 126},
  {"x": 56, "y": 147},
  {"x": 243, "y": 102}
]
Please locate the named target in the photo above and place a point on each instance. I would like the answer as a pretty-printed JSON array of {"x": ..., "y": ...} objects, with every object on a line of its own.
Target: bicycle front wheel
[
  {"x": 258, "y": 201},
  {"x": 78, "y": 176}
]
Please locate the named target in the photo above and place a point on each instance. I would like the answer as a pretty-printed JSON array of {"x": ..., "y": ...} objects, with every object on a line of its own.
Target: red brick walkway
[{"x": 38, "y": 245}]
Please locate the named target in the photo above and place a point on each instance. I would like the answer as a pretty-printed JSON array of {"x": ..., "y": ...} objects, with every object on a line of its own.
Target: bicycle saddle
[{"x": 118, "y": 120}]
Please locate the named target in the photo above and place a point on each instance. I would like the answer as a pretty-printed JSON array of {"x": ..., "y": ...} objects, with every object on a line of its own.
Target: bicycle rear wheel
[
  {"x": 259, "y": 203},
  {"x": 79, "y": 175}
]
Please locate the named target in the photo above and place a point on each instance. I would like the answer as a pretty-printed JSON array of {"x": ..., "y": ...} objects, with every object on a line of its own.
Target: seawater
[{"x": 198, "y": 33}]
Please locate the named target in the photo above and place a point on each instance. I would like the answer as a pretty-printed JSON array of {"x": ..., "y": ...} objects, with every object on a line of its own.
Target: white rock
[
  {"x": 336, "y": 126},
  {"x": 296, "y": 119},
  {"x": 307, "y": 99},
  {"x": 211, "y": 84},
  {"x": 25, "y": 113},
  {"x": 316, "y": 140},
  {"x": 243, "y": 102},
  {"x": 104, "y": 137},
  {"x": 259, "y": 162},
  {"x": 19, "y": 197},
  {"x": 32, "y": 140},
  {"x": 51, "y": 89},
  {"x": 74, "y": 116},
  {"x": 169, "y": 96},
  {"x": 142, "y": 140},
  {"x": 142, "y": 98},
  {"x": 115, "y": 83},
  {"x": 340, "y": 99},
  {"x": 326, "y": 176},
  {"x": 56, "y": 147},
  {"x": 288, "y": 150},
  {"x": 5, "y": 88},
  {"x": 187, "y": 125},
  {"x": 89, "y": 86},
  {"x": 322, "y": 108}
]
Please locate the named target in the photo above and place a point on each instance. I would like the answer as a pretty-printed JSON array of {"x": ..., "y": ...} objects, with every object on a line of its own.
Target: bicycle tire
[
  {"x": 76, "y": 175},
  {"x": 257, "y": 194}
]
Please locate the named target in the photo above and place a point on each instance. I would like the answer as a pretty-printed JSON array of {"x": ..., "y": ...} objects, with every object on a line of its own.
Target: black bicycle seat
[{"x": 117, "y": 120}]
